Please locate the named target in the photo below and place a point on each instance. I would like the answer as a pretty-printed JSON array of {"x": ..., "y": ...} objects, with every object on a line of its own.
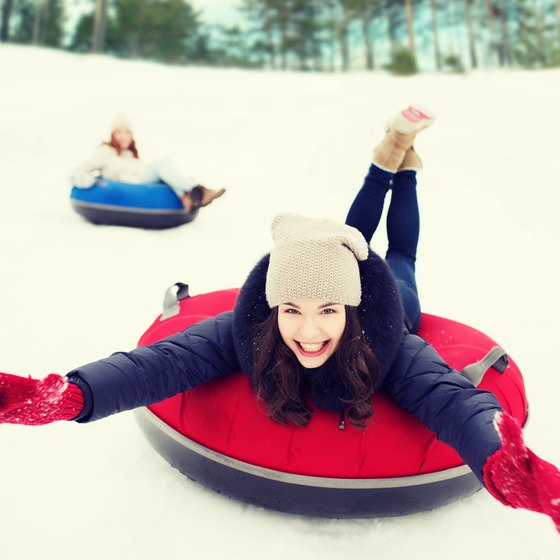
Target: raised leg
[
  {"x": 395, "y": 164},
  {"x": 367, "y": 208},
  {"x": 403, "y": 230},
  {"x": 396, "y": 146},
  {"x": 169, "y": 173}
]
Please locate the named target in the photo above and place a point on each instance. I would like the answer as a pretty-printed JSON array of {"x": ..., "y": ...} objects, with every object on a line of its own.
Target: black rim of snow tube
[
  {"x": 146, "y": 218},
  {"x": 300, "y": 494}
]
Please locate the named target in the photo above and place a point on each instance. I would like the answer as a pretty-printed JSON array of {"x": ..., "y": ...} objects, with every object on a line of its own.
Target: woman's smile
[
  {"x": 312, "y": 350},
  {"x": 311, "y": 330}
]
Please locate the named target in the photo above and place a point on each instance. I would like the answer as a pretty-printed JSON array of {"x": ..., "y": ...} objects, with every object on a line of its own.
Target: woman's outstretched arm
[
  {"x": 472, "y": 421},
  {"x": 446, "y": 401},
  {"x": 124, "y": 380}
]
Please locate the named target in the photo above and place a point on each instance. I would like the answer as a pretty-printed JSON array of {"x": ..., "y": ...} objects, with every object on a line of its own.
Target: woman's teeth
[{"x": 312, "y": 347}]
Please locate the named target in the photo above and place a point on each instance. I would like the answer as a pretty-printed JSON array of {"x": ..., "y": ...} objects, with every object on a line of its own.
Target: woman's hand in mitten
[
  {"x": 515, "y": 476},
  {"x": 24, "y": 400},
  {"x": 83, "y": 179}
]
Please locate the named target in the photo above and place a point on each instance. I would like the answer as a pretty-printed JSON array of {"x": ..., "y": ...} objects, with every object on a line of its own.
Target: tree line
[{"x": 403, "y": 36}]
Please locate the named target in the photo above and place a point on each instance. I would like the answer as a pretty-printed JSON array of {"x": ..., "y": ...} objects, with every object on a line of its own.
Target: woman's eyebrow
[
  {"x": 327, "y": 305},
  {"x": 290, "y": 304}
]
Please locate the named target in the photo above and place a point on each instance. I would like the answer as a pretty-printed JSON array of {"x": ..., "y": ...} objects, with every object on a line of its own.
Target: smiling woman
[{"x": 394, "y": 466}]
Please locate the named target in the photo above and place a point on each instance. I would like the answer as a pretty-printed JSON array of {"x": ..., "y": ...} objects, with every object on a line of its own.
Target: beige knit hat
[
  {"x": 120, "y": 121},
  {"x": 314, "y": 259}
]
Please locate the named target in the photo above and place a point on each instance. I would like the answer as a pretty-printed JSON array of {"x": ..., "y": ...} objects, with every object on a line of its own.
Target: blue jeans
[
  {"x": 166, "y": 170},
  {"x": 403, "y": 229}
]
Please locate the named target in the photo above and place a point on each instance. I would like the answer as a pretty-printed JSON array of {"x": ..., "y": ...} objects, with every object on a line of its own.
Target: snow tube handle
[
  {"x": 496, "y": 358},
  {"x": 173, "y": 296}
]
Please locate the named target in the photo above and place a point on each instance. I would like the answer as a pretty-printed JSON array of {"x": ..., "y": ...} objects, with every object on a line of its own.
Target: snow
[{"x": 72, "y": 292}]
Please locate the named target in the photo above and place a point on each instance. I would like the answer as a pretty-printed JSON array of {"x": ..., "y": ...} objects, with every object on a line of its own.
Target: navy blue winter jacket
[
  {"x": 412, "y": 372},
  {"x": 419, "y": 380}
]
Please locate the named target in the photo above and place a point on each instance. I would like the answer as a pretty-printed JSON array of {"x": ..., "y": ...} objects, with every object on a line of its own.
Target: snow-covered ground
[{"x": 71, "y": 292}]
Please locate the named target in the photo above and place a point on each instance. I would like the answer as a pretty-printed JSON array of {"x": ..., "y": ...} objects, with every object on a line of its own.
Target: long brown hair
[
  {"x": 115, "y": 145},
  {"x": 279, "y": 383}
]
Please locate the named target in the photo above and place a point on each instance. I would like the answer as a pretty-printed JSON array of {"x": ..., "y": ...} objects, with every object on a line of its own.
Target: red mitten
[
  {"x": 24, "y": 400},
  {"x": 515, "y": 476}
]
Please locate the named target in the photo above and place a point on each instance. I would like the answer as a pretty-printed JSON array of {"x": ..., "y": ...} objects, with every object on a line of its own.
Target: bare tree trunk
[
  {"x": 99, "y": 25},
  {"x": 492, "y": 29},
  {"x": 435, "y": 31},
  {"x": 409, "y": 13},
  {"x": 318, "y": 60},
  {"x": 540, "y": 26},
  {"x": 470, "y": 31},
  {"x": 344, "y": 47},
  {"x": 283, "y": 22},
  {"x": 504, "y": 43},
  {"x": 449, "y": 26},
  {"x": 368, "y": 42},
  {"x": 391, "y": 29},
  {"x": 349, "y": 13},
  {"x": 270, "y": 45},
  {"x": 283, "y": 49},
  {"x": 6, "y": 14},
  {"x": 317, "y": 46},
  {"x": 37, "y": 22},
  {"x": 332, "y": 36},
  {"x": 558, "y": 18},
  {"x": 479, "y": 18}
]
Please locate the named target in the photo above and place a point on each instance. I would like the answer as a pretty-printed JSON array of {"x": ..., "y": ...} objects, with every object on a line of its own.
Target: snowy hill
[{"x": 72, "y": 292}]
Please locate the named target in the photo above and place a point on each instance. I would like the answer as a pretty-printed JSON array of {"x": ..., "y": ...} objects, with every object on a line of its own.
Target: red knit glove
[
  {"x": 515, "y": 476},
  {"x": 24, "y": 400}
]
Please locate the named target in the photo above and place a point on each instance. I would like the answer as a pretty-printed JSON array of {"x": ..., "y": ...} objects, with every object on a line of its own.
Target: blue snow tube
[{"x": 149, "y": 206}]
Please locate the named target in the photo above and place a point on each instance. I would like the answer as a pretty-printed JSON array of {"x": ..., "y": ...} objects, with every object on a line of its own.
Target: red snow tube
[{"x": 218, "y": 435}]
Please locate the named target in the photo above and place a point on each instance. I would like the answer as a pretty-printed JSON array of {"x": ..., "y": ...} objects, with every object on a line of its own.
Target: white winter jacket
[{"x": 124, "y": 167}]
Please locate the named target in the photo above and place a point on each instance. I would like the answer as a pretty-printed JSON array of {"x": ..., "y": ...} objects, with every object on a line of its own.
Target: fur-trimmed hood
[{"x": 380, "y": 313}]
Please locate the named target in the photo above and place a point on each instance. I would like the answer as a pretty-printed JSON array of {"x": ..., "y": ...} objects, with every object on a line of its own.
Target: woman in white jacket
[{"x": 118, "y": 160}]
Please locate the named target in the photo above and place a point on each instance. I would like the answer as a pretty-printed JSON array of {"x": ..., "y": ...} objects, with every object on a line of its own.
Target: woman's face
[
  {"x": 123, "y": 137},
  {"x": 311, "y": 329}
]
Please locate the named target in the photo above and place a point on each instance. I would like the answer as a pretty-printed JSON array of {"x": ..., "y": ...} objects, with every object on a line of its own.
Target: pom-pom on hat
[
  {"x": 121, "y": 121},
  {"x": 314, "y": 259}
]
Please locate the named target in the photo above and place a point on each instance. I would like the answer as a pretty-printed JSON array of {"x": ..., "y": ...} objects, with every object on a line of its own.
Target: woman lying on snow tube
[
  {"x": 209, "y": 432},
  {"x": 320, "y": 322},
  {"x": 115, "y": 187}
]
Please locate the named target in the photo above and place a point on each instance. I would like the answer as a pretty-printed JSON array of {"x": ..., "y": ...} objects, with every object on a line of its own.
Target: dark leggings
[{"x": 403, "y": 229}]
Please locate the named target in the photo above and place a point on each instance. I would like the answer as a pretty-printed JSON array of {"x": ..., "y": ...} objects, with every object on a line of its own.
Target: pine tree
[
  {"x": 304, "y": 38},
  {"x": 7, "y": 7},
  {"x": 557, "y": 9},
  {"x": 53, "y": 23},
  {"x": 534, "y": 47},
  {"x": 260, "y": 14},
  {"x": 40, "y": 22},
  {"x": 22, "y": 16}
]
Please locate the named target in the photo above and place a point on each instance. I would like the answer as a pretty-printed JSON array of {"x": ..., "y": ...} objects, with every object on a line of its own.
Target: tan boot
[
  {"x": 208, "y": 195},
  {"x": 398, "y": 140},
  {"x": 390, "y": 154},
  {"x": 199, "y": 197},
  {"x": 411, "y": 161}
]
